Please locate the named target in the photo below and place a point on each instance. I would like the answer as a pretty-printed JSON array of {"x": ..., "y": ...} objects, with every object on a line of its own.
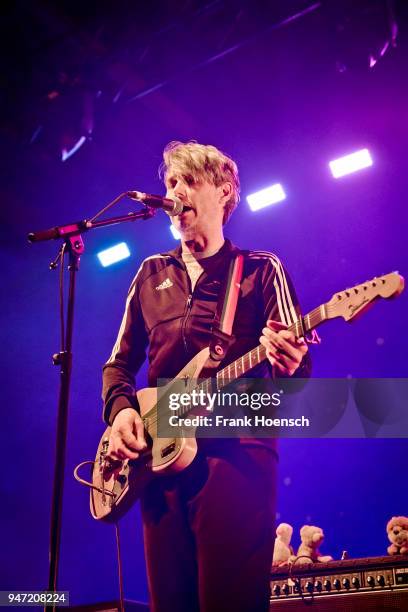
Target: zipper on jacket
[
  {"x": 188, "y": 306},
  {"x": 184, "y": 323}
]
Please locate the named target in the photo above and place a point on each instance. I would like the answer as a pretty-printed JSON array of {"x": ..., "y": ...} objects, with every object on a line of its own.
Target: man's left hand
[{"x": 284, "y": 351}]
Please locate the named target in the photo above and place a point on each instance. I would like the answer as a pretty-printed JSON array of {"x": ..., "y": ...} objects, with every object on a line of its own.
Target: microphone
[{"x": 172, "y": 206}]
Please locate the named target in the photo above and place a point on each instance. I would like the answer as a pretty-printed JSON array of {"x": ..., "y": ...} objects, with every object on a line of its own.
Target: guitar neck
[
  {"x": 255, "y": 356},
  {"x": 346, "y": 304}
]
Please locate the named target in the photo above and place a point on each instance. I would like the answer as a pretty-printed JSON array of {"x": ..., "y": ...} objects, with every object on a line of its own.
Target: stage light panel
[
  {"x": 266, "y": 197},
  {"x": 114, "y": 254},
  {"x": 350, "y": 163},
  {"x": 175, "y": 233}
]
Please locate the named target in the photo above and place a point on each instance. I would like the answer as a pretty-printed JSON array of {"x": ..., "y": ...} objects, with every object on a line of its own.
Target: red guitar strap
[{"x": 225, "y": 314}]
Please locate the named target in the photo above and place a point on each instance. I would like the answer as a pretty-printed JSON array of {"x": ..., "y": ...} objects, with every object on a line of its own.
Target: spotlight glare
[
  {"x": 114, "y": 254},
  {"x": 266, "y": 197},
  {"x": 66, "y": 154},
  {"x": 351, "y": 163},
  {"x": 175, "y": 233}
]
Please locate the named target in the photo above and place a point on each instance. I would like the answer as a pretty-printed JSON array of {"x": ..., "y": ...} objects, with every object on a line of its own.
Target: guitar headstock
[{"x": 351, "y": 302}]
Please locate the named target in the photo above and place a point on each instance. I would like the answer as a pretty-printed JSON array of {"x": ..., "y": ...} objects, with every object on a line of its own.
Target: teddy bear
[
  {"x": 282, "y": 549},
  {"x": 311, "y": 538},
  {"x": 397, "y": 531}
]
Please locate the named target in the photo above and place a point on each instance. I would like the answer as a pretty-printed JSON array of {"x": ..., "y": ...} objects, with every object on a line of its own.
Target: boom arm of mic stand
[{"x": 79, "y": 227}]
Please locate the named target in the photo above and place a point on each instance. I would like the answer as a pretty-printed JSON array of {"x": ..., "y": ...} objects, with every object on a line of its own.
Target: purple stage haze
[{"x": 282, "y": 105}]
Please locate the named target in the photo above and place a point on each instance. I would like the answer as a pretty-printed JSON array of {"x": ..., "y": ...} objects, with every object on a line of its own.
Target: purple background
[{"x": 282, "y": 105}]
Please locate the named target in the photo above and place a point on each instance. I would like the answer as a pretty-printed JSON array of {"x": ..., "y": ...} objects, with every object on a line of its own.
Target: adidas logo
[{"x": 164, "y": 285}]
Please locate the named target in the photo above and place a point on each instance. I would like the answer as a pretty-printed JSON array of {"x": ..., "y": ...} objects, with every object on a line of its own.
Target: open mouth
[{"x": 186, "y": 208}]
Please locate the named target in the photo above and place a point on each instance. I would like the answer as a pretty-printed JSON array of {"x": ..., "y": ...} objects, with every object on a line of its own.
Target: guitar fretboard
[{"x": 244, "y": 364}]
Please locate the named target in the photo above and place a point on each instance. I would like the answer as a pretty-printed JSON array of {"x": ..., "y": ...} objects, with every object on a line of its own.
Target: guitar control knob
[
  {"x": 346, "y": 583},
  {"x": 298, "y": 587},
  {"x": 355, "y": 582},
  {"x": 381, "y": 580},
  {"x": 318, "y": 585},
  {"x": 309, "y": 586},
  {"x": 371, "y": 581},
  {"x": 276, "y": 590},
  {"x": 327, "y": 585},
  {"x": 337, "y": 584},
  {"x": 285, "y": 589}
]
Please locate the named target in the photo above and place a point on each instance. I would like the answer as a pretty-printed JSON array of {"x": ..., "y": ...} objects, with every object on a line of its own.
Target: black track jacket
[{"x": 164, "y": 318}]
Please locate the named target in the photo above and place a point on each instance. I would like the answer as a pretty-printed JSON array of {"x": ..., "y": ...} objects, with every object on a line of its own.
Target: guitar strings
[{"x": 258, "y": 354}]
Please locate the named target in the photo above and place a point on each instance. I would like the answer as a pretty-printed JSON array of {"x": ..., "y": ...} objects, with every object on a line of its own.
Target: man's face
[{"x": 203, "y": 201}]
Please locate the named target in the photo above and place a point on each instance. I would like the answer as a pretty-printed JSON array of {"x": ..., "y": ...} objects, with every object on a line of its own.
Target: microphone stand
[{"x": 73, "y": 243}]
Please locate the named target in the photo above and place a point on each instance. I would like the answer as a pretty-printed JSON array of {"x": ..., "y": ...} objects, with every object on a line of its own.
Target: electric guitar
[{"x": 116, "y": 485}]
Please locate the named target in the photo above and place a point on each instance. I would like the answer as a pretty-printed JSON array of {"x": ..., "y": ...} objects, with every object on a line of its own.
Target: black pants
[{"x": 209, "y": 533}]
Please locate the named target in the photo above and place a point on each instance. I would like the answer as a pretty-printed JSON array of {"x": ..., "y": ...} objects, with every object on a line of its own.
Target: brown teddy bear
[
  {"x": 397, "y": 531},
  {"x": 311, "y": 538},
  {"x": 282, "y": 549}
]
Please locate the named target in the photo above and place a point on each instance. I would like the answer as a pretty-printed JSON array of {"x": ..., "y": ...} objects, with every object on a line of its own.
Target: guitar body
[{"x": 117, "y": 485}]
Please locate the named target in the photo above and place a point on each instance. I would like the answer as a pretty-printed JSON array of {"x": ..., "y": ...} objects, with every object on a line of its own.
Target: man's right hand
[{"x": 127, "y": 438}]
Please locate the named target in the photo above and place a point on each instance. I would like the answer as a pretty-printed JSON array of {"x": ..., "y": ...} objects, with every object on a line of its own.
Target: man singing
[{"x": 208, "y": 530}]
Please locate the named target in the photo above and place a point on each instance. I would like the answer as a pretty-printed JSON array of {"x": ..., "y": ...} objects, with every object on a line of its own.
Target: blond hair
[{"x": 202, "y": 162}]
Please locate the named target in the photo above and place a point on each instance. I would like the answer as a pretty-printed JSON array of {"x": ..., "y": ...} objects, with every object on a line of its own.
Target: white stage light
[
  {"x": 114, "y": 254},
  {"x": 175, "y": 233},
  {"x": 266, "y": 197},
  {"x": 351, "y": 163}
]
